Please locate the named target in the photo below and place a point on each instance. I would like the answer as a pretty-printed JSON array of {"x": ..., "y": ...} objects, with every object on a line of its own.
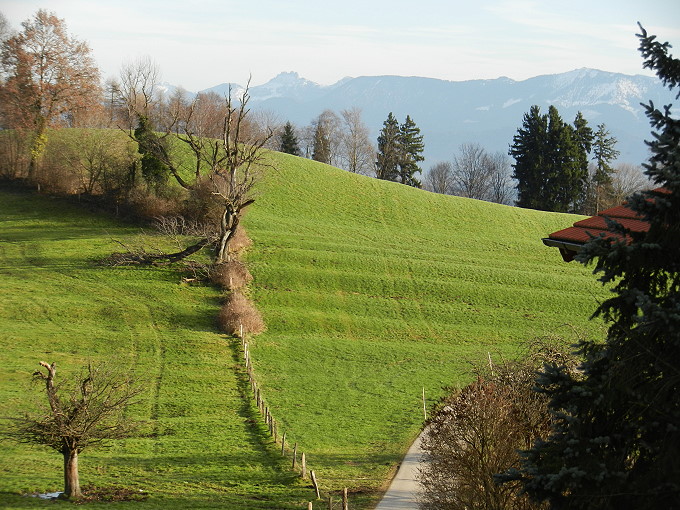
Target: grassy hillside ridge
[{"x": 372, "y": 290}]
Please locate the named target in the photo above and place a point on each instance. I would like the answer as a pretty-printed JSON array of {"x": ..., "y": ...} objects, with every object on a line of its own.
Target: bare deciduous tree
[
  {"x": 626, "y": 180},
  {"x": 476, "y": 432},
  {"x": 87, "y": 412},
  {"x": 358, "y": 153},
  {"x": 139, "y": 88},
  {"x": 471, "y": 172},
  {"x": 500, "y": 181},
  {"x": 231, "y": 164},
  {"x": 439, "y": 179}
]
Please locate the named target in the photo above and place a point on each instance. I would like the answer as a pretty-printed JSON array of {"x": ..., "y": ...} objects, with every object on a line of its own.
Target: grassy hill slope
[
  {"x": 373, "y": 291},
  {"x": 202, "y": 449}
]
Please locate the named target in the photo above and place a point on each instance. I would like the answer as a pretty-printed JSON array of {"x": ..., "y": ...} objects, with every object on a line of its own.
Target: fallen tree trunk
[{"x": 143, "y": 258}]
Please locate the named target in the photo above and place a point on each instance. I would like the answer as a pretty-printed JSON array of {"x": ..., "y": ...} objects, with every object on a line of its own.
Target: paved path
[{"x": 402, "y": 494}]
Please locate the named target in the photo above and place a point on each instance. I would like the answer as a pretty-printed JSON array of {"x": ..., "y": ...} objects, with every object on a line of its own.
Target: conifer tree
[
  {"x": 583, "y": 137},
  {"x": 154, "y": 171},
  {"x": 289, "y": 142},
  {"x": 603, "y": 154},
  {"x": 551, "y": 161},
  {"x": 387, "y": 164},
  {"x": 616, "y": 436},
  {"x": 411, "y": 152},
  {"x": 528, "y": 149}
]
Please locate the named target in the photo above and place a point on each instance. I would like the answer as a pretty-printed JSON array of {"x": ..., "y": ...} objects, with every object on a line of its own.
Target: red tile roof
[{"x": 570, "y": 240}]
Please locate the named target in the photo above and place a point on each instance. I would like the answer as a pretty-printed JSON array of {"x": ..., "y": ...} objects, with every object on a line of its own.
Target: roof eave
[{"x": 568, "y": 250}]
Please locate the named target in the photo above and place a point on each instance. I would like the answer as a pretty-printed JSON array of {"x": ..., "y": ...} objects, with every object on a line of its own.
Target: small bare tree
[
  {"x": 138, "y": 88},
  {"x": 477, "y": 431},
  {"x": 471, "y": 172},
  {"x": 87, "y": 413},
  {"x": 439, "y": 179},
  {"x": 358, "y": 152}
]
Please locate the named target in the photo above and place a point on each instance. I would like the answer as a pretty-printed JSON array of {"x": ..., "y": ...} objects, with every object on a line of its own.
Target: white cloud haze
[{"x": 200, "y": 44}]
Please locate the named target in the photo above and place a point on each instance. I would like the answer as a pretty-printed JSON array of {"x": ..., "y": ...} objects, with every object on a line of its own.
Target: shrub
[
  {"x": 477, "y": 432},
  {"x": 201, "y": 204},
  {"x": 240, "y": 240},
  {"x": 231, "y": 275},
  {"x": 149, "y": 206},
  {"x": 238, "y": 310}
]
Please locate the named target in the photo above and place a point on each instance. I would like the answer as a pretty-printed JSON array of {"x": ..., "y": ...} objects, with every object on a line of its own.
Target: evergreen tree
[
  {"x": 289, "y": 142},
  {"x": 155, "y": 173},
  {"x": 528, "y": 149},
  {"x": 616, "y": 437},
  {"x": 411, "y": 152},
  {"x": 583, "y": 138},
  {"x": 321, "y": 150},
  {"x": 603, "y": 154},
  {"x": 551, "y": 161},
  {"x": 387, "y": 164}
]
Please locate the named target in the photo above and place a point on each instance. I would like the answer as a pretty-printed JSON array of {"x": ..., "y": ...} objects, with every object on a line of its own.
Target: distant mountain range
[{"x": 489, "y": 112}]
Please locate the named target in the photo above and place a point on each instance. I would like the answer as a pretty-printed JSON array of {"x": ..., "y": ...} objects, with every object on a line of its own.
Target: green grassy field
[
  {"x": 56, "y": 305},
  {"x": 371, "y": 292}
]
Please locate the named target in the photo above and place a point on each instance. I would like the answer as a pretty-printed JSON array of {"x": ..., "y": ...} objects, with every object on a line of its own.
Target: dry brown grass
[
  {"x": 231, "y": 275},
  {"x": 238, "y": 310}
]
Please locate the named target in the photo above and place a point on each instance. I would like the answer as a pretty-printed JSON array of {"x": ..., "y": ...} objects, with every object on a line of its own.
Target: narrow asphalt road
[{"x": 403, "y": 492}]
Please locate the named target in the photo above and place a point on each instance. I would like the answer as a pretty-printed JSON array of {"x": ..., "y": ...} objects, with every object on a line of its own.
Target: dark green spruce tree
[
  {"x": 583, "y": 137},
  {"x": 604, "y": 153},
  {"x": 528, "y": 149},
  {"x": 289, "y": 142},
  {"x": 411, "y": 152},
  {"x": 615, "y": 442},
  {"x": 551, "y": 161},
  {"x": 387, "y": 164}
]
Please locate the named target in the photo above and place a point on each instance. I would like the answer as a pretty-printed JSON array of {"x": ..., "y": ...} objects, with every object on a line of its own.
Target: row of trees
[
  {"x": 343, "y": 141},
  {"x": 474, "y": 173},
  {"x": 552, "y": 162}
]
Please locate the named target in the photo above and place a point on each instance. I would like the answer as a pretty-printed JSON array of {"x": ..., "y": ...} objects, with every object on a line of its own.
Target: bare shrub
[
  {"x": 149, "y": 206},
  {"x": 238, "y": 310},
  {"x": 55, "y": 176},
  {"x": 477, "y": 431},
  {"x": 231, "y": 275},
  {"x": 240, "y": 240}
]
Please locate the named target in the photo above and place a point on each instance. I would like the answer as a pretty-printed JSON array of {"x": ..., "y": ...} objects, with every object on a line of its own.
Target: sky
[{"x": 198, "y": 44}]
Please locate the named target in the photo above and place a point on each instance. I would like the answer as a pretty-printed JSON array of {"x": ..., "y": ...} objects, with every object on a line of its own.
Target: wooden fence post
[
  {"x": 304, "y": 465},
  {"x": 330, "y": 502},
  {"x": 345, "y": 501},
  {"x": 310, "y": 506},
  {"x": 283, "y": 445},
  {"x": 316, "y": 485},
  {"x": 424, "y": 408},
  {"x": 294, "y": 455}
]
